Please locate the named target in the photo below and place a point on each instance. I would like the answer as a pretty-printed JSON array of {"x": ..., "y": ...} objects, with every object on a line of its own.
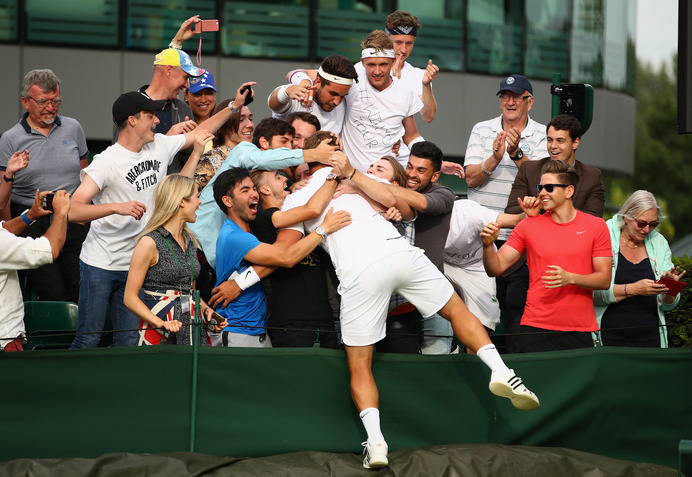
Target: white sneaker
[
  {"x": 375, "y": 455},
  {"x": 509, "y": 385}
]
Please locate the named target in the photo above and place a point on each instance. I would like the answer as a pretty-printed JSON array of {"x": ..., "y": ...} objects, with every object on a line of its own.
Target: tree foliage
[{"x": 663, "y": 158}]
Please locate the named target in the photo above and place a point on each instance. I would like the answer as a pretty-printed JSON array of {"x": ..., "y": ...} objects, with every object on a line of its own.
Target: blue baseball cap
[
  {"x": 517, "y": 84},
  {"x": 173, "y": 57},
  {"x": 206, "y": 81}
]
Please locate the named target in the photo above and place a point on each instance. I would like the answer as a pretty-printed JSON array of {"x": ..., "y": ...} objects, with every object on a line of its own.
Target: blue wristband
[{"x": 25, "y": 219}]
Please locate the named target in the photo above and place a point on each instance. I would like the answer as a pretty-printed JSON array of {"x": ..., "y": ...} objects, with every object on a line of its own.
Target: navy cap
[
  {"x": 206, "y": 81},
  {"x": 517, "y": 84}
]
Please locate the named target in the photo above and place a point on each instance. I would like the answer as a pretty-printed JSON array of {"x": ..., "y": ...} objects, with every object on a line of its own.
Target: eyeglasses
[
  {"x": 45, "y": 102},
  {"x": 504, "y": 97},
  {"x": 549, "y": 188},
  {"x": 642, "y": 223}
]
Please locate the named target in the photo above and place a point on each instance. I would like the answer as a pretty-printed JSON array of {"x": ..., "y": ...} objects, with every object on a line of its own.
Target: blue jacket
[{"x": 660, "y": 257}]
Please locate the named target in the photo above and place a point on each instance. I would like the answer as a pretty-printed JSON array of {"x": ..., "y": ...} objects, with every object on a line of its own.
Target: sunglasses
[
  {"x": 549, "y": 187},
  {"x": 641, "y": 223}
]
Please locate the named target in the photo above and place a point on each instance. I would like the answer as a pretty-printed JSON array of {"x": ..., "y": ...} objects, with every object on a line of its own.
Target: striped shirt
[{"x": 494, "y": 192}]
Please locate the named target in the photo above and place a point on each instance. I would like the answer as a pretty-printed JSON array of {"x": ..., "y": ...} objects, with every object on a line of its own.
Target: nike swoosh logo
[{"x": 579, "y": 233}]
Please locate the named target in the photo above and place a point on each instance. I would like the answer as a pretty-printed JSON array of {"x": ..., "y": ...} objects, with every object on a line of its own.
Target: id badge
[{"x": 185, "y": 304}]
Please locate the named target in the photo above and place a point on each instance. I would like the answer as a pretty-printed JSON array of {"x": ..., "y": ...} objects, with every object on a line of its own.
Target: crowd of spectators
[{"x": 325, "y": 224}]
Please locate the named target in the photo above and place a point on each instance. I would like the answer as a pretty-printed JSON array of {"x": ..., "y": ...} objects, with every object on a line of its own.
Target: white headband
[
  {"x": 375, "y": 53},
  {"x": 334, "y": 78}
]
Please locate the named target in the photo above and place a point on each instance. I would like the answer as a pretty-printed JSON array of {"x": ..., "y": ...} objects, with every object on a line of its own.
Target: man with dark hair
[
  {"x": 305, "y": 125},
  {"x": 116, "y": 192},
  {"x": 270, "y": 150},
  {"x": 568, "y": 254},
  {"x": 563, "y": 139},
  {"x": 372, "y": 261},
  {"x": 333, "y": 81},
  {"x": 563, "y": 134},
  {"x": 433, "y": 204},
  {"x": 402, "y": 28},
  {"x": 54, "y": 151},
  {"x": 237, "y": 250}
]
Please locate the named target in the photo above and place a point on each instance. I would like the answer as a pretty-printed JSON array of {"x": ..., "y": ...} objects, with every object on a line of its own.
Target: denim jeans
[
  {"x": 437, "y": 335},
  {"x": 99, "y": 291}
]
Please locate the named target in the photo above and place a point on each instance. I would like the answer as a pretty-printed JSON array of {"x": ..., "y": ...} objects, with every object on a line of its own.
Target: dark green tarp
[
  {"x": 631, "y": 404},
  {"x": 471, "y": 460}
]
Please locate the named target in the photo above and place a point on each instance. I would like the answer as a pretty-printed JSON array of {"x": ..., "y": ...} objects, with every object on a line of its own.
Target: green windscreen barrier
[{"x": 632, "y": 404}]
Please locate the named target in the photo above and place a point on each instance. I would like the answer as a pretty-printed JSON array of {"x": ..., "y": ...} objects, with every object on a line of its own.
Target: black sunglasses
[
  {"x": 652, "y": 225},
  {"x": 549, "y": 187}
]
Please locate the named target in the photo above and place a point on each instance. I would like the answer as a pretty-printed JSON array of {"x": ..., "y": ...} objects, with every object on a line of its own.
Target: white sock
[
  {"x": 489, "y": 355},
  {"x": 371, "y": 422}
]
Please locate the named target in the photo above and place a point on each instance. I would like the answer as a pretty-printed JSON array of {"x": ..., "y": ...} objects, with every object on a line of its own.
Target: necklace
[{"x": 627, "y": 242}]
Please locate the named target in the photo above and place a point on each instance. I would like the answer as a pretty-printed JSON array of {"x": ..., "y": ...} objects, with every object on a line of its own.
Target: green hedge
[{"x": 679, "y": 319}]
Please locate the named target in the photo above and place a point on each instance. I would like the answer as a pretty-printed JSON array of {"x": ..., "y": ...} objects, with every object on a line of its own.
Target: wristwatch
[
  {"x": 333, "y": 177},
  {"x": 519, "y": 155},
  {"x": 233, "y": 110},
  {"x": 321, "y": 232}
]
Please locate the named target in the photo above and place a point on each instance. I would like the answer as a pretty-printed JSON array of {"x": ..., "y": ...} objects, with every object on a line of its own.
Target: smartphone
[
  {"x": 674, "y": 286},
  {"x": 214, "y": 320},
  {"x": 207, "y": 25},
  {"x": 248, "y": 98},
  {"x": 48, "y": 202}
]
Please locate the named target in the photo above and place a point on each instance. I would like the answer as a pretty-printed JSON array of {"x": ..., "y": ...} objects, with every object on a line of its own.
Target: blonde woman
[{"x": 164, "y": 265}]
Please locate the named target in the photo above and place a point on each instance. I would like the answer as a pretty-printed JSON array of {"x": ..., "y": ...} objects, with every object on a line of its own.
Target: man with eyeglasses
[
  {"x": 563, "y": 137},
  {"x": 498, "y": 147},
  {"x": 569, "y": 255},
  {"x": 54, "y": 151}
]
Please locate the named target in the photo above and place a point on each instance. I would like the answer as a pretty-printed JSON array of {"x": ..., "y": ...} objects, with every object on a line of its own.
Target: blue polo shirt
[
  {"x": 250, "y": 308},
  {"x": 54, "y": 160}
]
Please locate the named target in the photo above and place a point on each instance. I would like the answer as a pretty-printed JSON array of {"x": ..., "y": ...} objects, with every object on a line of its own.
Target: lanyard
[{"x": 180, "y": 269}]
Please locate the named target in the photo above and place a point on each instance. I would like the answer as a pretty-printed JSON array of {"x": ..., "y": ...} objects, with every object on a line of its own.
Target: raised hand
[{"x": 430, "y": 73}]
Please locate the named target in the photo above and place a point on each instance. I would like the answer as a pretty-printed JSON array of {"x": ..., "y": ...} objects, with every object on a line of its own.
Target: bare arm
[
  {"x": 475, "y": 177},
  {"x": 271, "y": 255},
  {"x": 428, "y": 98},
  {"x": 16, "y": 226},
  {"x": 509, "y": 221},
  {"x": 314, "y": 207},
  {"x": 201, "y": 138},
  {"x": 18, "y": 161},
  {"x": 410, "y": 129},
  {"x": 58, "y": 227},
  {"x": 216, "y": 121},
  {"x": 299, "y": 92},
  {"x": 496, "y": 263},
  {"x": 144, "y": 256},
  {"x": 82, "y": 210}
]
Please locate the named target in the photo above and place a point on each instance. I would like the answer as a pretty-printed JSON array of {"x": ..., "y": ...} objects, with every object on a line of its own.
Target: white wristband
[
  {"x": 282, "y": 96},
  {"x": 418, "y": 139},
  {"x": 175, "y": 45},
  {"x": 246, "y": 279},
  {"x": 299, "y": 76}
]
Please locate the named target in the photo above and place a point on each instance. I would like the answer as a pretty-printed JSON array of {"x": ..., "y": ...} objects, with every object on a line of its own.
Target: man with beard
[
  {"x": 237, "y": 250},
  {"x": 332, "y": 83},
  {"x": 372, "y": 261}
]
